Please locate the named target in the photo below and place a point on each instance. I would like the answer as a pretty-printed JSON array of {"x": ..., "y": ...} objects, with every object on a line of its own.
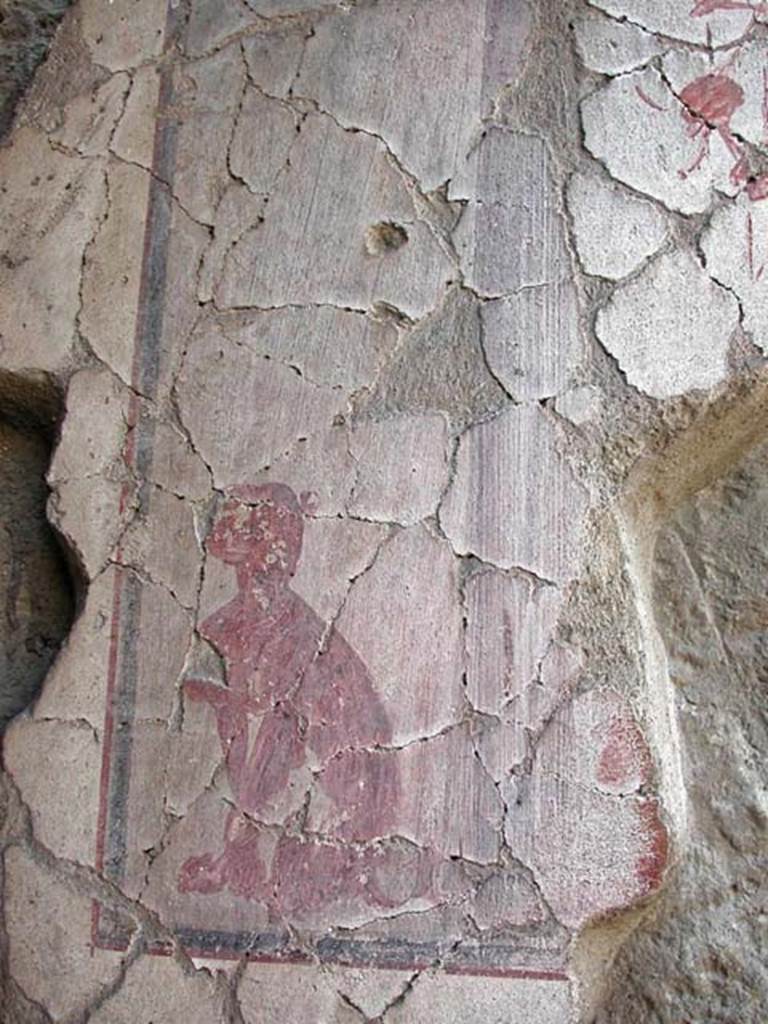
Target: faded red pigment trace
[
  {"x": 294, "y": 686},
  {"x": 709, "y": 103},
  {"x": 705, "y": 7}
]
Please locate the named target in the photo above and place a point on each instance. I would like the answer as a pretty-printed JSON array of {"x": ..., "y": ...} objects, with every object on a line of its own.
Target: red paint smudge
[
  {"x": 757, "y": 188},
  {"x": 294, "y": 685},
  {"x": 650, "y": 866},
  {"x": 705, "y": 7},
  {"x": 710, "y": 102},
  {"x": 711, "y": 98},
  {"x": 647, "y": 99},
  {"x": 625, "y": 760}
]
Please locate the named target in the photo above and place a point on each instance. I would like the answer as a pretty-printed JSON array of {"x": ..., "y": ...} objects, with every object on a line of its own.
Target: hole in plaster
[
  {"x": 384, "y": 237},
  {"x": 37, "y": 592}
]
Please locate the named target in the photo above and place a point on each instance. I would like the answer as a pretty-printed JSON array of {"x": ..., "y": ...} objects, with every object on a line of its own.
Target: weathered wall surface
[
  {"x": 398, "y": 339},
  {"x": 26, "y": 28},
  {"x": 702, "y": 958}
]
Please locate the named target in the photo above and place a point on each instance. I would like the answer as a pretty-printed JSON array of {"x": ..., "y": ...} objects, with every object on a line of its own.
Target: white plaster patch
[
  {"x": 208, "y": 98},
  {"x": 291, "y": 992},
  {"x": 52, "y": 955},
  {"x": 238, "y": 210},
  {"x": 509, "y": 737},
  {"x": 55, "y": 764},
  {"x": 580, "y": 405},
  {"x": 164, "y": 544},
  {"x": 669, "y": 329},
  {"x": 76, "y": 686},
  {"x": 213, "y": 21},
  {"x": 370, "y": 990},
  {"x": 334, "y": 552},
  {"x": 88, "y": 120},
  {"x": 321, "y": 464},
  {"x": 645, "y": 137},
  {"x": 109, "y": 299},
  {"x": 736, "y": 248},
  {"x": 681, "y": 19},
  {"x": 269, "y": 7},
  {"x": 614, "y": 232},
  {"x": 367, "y": 70},
  {"x": 157, "y": 989},
  {"x": 591, "y": 764},
  {"x": 273, "y": 58},
  {"x": 94, "y": 429},
  {"x": 175, "y": 467},
  {"x": 58, "y": 202},
  {"x": 613, "y": 47},
  {"x": 95, "y": 536},
  {"x": 442, "y": 786}
]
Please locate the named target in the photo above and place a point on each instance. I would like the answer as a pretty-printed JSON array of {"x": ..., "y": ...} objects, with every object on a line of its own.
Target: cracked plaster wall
[{"x": 480, "y": 286}]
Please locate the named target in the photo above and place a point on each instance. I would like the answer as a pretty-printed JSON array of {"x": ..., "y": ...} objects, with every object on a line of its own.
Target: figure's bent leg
[
  {"x": 362, "y": 856},
  {"x": 255, "y": 779},
  {"x": 239, "y": 866},
  {"x": 310, "y": 873}
]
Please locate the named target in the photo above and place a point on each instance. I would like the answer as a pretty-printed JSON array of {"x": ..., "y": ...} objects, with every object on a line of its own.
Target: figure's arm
[
  {"x": 219, "y": 697},
  {"x": 263, "y": 776}
]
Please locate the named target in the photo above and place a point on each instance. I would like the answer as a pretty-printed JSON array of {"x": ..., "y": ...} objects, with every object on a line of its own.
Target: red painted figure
[
  {"x": 294, "y": 686},
  {"x": 709, "y": 103}
]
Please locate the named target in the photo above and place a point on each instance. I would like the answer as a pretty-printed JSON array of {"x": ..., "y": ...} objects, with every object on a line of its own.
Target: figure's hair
[{"x": 281, "y": 497}]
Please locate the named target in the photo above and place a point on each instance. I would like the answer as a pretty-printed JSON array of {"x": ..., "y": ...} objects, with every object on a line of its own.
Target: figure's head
[{"x": 260, "y": 527}]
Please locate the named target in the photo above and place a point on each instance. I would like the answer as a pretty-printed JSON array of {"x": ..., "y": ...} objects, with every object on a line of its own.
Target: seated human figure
[{"x": 294, "y": 686}]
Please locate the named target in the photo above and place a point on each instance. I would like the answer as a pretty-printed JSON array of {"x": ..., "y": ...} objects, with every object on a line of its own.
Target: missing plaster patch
[
  {"x": 384, "y": 237},
  {"x": 36, "y": 594}
]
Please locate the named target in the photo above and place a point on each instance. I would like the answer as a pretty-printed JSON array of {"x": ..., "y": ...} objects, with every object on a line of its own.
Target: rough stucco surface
[
  {"x": 26, "y": 28},
  {"x": 410, "y": 349},
  {"x": 703, "y": 957}
]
